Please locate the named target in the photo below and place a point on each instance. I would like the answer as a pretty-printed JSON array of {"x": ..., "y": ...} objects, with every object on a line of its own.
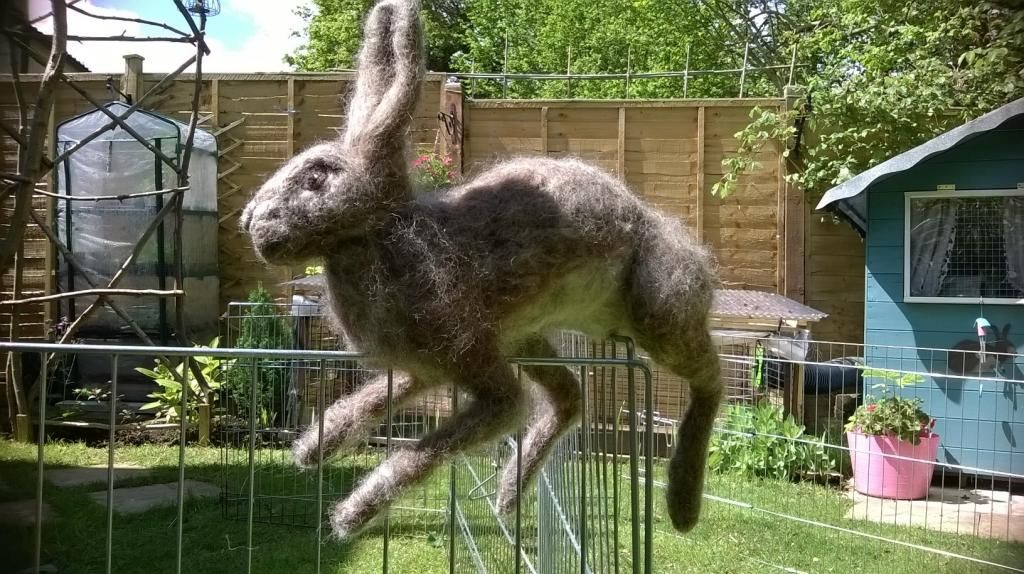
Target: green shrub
[
  {"x": 167, "y": 401},
  {"x": 262, "y": 327},
  {"x": 770, "y": 446}
]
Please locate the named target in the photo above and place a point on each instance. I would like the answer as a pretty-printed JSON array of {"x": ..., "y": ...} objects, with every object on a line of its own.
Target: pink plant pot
[{"x": 881, "y": 468}]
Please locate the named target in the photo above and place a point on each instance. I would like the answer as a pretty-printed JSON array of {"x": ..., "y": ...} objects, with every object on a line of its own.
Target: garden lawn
[{"x": 729, "y": 539}]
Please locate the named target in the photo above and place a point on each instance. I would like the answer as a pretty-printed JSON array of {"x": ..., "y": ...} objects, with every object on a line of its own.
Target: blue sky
[{"x": 247, "y": 36}]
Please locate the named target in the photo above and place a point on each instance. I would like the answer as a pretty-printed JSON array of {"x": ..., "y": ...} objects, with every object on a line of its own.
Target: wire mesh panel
[
  {"x": 966, "y": 246},
  {"x": 583, "y": 512},
  {"x": 276, "y": 400}
]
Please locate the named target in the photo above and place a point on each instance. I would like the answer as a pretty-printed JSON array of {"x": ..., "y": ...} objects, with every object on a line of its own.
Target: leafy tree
[
  {"x": 886, "y": 76},
  {"x": 334, "y": 31},
  {"x": 881, "y": 76}
]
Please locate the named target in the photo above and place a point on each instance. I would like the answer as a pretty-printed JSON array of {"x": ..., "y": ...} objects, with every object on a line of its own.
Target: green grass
[{"x": 729, "y": 539}]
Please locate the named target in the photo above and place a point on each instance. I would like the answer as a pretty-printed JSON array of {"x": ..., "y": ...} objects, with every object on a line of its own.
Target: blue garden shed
[{"x": 943, "y": 226}]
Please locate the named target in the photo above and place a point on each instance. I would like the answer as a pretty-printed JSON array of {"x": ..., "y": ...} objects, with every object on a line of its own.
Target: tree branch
[
  {"x": 124, "y": 19},
  {"x": 29, "y": 157},
  {"x": 101, "y": 293}
]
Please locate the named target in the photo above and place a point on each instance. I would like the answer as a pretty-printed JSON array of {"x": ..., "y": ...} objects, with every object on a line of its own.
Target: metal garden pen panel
[
  {"x": 944, "y": 233},
  {"x": 591, "y": 510}
]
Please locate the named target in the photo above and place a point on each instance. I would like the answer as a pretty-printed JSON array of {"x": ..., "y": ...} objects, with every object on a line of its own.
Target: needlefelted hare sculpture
[{"x": 444, "y": 286}]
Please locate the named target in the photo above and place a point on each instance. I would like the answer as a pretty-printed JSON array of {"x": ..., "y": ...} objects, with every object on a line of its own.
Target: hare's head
[
  {"x": 335, "y": 189},
  {"x": 1003, "y": 344}
]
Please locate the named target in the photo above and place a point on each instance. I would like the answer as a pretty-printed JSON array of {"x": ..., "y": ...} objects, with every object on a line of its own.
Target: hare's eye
[{"x": 314, "y": 179}]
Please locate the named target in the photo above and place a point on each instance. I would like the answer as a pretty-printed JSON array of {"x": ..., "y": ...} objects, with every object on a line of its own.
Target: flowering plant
[
  {"x": 892, "y": 415},
  {"x": 433, "y": 171}
]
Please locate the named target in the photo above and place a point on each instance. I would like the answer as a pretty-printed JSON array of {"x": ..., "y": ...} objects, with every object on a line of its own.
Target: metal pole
[
  {"x": 634, "y": 465},
  {"x": 387, "y": 451},
  {"x": 504, "y": 70},
  {"x": 792, "y": 66},
  {"x": 649, "y": 473},
  {"x": 451, "y": 492},
  {"x": 320, "y": 464},
  {"x": 584, "y": 454},
  {"x": 38, "y": 559},
  {"x": 568, "y": 73},
  {"x": 183, "y": 429},
  {"x": 743, "y": 72},
  {"x": 629, "y": 63},
  {"x": 615, "y": 464},
  {"x": 110, "y": 464},
  {"x": 253, "y": 389},
  {"x": 686, "y": 73},
  {"x": 519, "y": 487}
]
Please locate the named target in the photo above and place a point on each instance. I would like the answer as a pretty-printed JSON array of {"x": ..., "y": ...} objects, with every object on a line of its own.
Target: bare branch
[
  {"x": 10, "y": 131},
  {"x": 124, "y": 19},
  {"x": 122, "y": 38},
  {"x": 192, "y": 26},
  {"x": 97, "y": 292},
  {"x": 121, "y": 197},
  {"x": 29, "y": 163},
  {"x": 157, "y": 89},
  {"x": 39, "y": 19}
]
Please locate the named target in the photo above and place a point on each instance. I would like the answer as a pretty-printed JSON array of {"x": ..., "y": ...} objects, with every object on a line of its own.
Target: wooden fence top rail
[{"x": 666, "y": 103}]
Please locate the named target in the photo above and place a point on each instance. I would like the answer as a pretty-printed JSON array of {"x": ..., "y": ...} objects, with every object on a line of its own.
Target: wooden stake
[
  {"x": 701, "y": 206},
  {"x": 621, "y": 148},
  {"x": 544, "y": 130}
]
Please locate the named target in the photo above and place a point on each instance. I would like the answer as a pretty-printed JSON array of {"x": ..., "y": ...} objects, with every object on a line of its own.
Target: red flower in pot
[{"x": 892, "y": 448}]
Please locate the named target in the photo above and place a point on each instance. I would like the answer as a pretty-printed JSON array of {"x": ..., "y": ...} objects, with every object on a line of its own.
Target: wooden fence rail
[{"x": 670, "y": 152}]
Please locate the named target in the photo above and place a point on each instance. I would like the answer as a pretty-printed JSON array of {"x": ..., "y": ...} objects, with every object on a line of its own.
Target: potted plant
[{"x": 892, "y": 448}]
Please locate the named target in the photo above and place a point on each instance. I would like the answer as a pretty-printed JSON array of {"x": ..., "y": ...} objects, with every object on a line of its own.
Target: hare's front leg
[
  {"x": 496, "y": 406},
  {"x": 556, "y": 407},
  {"x": 351, "y": 417}
]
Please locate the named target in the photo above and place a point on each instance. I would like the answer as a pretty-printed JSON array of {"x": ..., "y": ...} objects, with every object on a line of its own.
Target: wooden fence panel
[{"x": 669, "y": 152}]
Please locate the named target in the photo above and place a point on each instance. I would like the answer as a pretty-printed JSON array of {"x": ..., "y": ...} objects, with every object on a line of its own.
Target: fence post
[
  {"x": 204, "y": 422},
  {"x": 450, "y": 118},
  {"x": 131, "y": 82}
]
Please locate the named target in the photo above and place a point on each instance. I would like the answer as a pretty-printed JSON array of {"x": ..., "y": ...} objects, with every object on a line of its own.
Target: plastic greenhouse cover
[{"x": 148, "y": 124}]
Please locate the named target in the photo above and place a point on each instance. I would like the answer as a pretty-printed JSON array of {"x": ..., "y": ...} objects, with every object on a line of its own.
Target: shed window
[{"x": 965, "y": 247}]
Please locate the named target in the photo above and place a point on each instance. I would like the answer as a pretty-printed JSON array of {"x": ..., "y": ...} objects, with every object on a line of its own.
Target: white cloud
[{"x": 262, "y": 50}]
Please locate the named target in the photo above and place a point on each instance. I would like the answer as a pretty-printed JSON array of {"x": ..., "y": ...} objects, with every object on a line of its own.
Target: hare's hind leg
[
  {"x": 496, "y": 406},
  {"x": 692, "y": 357},
  {"x": 351, "y": 417},
  {"x": 556, "y": 406}
]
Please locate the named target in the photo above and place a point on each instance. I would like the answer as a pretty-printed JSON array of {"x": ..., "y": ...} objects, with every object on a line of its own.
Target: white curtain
[
  {"x": 1013, "y": 241},
  {"x": 932, "y": 233}
]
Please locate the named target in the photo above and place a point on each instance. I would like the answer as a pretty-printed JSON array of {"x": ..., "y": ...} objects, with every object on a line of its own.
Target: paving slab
[
  {"x": 22, "y": 512},
  {"x": 86, "y": 475},
  {"x": 142, "y": 498},
  {"x": 983, "y": 513}
]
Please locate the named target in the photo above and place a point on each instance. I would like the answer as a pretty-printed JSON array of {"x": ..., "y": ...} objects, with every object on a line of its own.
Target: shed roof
[
  {"x": 726, "y": 304},
  {"x": 848, "y": 196},
  {"x": 747, "y": 304}
]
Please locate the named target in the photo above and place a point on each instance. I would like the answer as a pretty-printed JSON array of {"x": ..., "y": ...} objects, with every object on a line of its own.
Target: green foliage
[
  {"x": 262, "y": 327},
  {"x": 892, "y": 415},
  {"x": 880, "y": 77},
  {"x": 888, "y": 76},
  {"x": 769, "y": 448},
  {"x": 334, "y": 31},
  {"x": 432, "y": 171},
  {"x": 167, "y": 401},
  {"x": 314, "y": 269},
  {"x": 766, "y": 126},
  {"x": 899, "y": 379},
  {"x": 555, "y": 36}
]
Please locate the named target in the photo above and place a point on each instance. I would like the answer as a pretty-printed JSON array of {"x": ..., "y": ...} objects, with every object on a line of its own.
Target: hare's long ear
[{"x": 388, "y": 77}]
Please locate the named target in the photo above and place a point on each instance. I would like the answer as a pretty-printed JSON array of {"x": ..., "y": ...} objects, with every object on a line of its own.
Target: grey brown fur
[{"x": 444, "y": 286}]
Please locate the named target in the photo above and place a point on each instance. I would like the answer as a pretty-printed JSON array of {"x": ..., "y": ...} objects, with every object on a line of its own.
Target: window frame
[{"x": 948, "y": 194}]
